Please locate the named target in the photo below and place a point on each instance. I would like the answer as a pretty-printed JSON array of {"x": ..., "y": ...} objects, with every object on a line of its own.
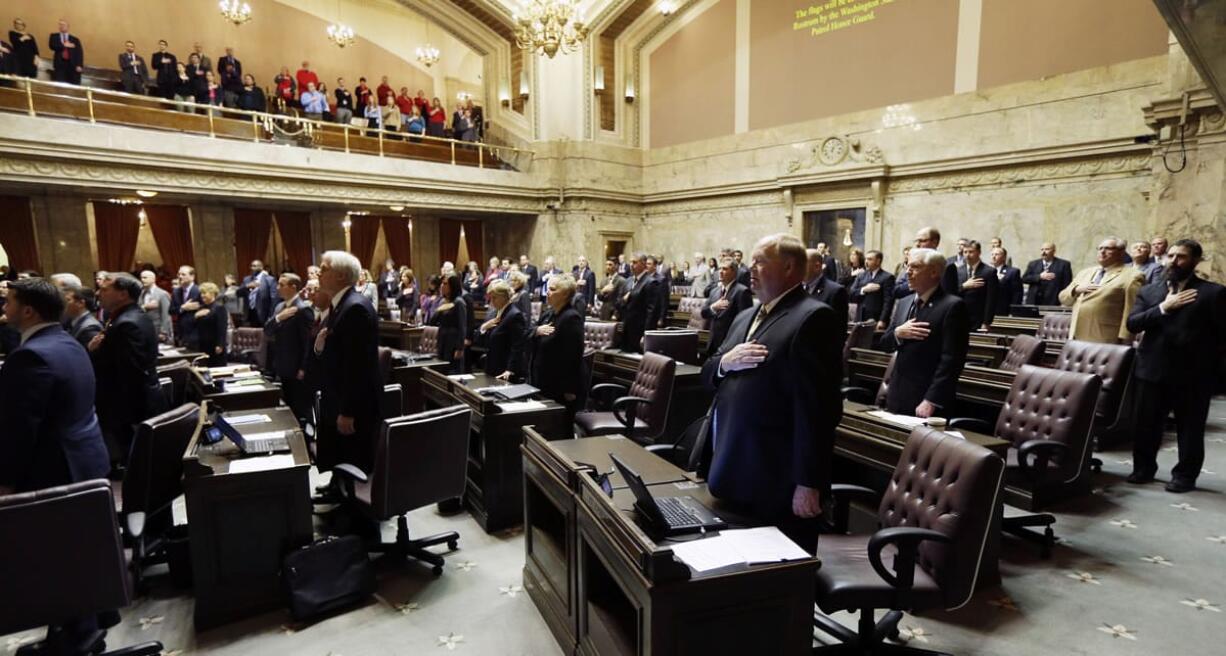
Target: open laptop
[
  {"x": 668, "y": 516},
  {"x": 274, "y": 442}
]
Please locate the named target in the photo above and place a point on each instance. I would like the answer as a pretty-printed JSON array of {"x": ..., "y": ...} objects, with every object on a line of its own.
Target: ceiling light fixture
[
  {"x": 234, "y": 11},
  {"x": 667, "y": 7},
  {"x": 427, "y": 55},
  {"x": 396, "y": 208},
  {"x": 339, "y": 33},
  {"x": 145, "y": 193},
  {"x": 550, "y": 26}
]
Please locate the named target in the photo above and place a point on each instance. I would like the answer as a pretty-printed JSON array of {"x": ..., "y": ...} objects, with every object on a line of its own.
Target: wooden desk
[
  {"x": 981, "y": 391},
  {"x": 605, "y": 587},
  {"x": 494, "y": 491},
  {"x": 241, "y": 525},
  {"x": 171, "y": 355},
  {"x": 232, "y": 397},
  {"x": 399, "y": 334},
  {"x": 690, "y": 399},
  {"x": 407, "y": 369}
]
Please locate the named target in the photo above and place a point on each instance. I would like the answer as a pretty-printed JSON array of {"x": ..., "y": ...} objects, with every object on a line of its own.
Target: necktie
[
  {"x": 1046, "y": 266},
  {"x": 1098, "y": 276},
  {"x": 64, "y": 51},
  {"x": 757, "y": 321},
  {"x": 916, "y": 307}
]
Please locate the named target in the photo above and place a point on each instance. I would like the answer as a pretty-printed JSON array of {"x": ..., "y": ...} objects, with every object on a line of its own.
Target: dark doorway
[
  {"x": 613, "y": 248},
  {"x": 841, "y": 230}
]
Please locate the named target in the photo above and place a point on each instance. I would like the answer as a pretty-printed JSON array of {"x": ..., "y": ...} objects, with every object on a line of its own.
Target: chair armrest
[
  {"x": 843, "y": 494},
  {"x": 972, "y": 424},
  {"x": 1043, "y": 452},
  {"x": 669, "y": 452},
  {"x": 859, "y": 395},
  {"x": 607, "y": 392},
  {"x": 627, "y": 418},
  {"x": 907, "y": 539},
  {"x": 351, "y": 472}
]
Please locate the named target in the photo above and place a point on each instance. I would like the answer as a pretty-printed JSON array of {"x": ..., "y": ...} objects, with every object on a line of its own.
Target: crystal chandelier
[
  {"x": 341, "y": 34},
  {"x": 427, "y": 54},
  {"x": 547, "y": 26},
  {"x": 234, "y": 11}
]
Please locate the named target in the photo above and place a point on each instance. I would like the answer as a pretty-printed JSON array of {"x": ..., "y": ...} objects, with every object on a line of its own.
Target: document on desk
[
  {"x": 246, "y": 382},
  {"x": 246, "y": 374},
  {"x": 263, "y": 463},
  {"x": 461, "y": 377},
  {"x": 520, "y": 406},
  {"x": 752, "y": 546},
  {"x": 242, "y": 420},
  {"x": 901, "y": 420}
]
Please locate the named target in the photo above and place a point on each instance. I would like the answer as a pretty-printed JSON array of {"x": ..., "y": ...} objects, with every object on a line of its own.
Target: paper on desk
[
  {"x": 520, "y": 406},
  {"x": 902, "y": 420},
  {"x": 263, "y": 463},
  {"x": 245, "y": 382},
  {"x": 246, "y": 374},
  {"x": 461, "y": 376},
  {"x": 240, "y": 420},
  {"x": 737, "y": 547}
]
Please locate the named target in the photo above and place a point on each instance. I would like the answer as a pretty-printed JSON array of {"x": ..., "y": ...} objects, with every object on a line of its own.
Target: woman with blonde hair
[
  {"x": 367, "y": 288},
  {"x": 212, "y": 324}
]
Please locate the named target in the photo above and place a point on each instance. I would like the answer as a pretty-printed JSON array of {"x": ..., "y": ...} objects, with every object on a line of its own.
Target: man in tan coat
[{"x": 1102, "y": 296}]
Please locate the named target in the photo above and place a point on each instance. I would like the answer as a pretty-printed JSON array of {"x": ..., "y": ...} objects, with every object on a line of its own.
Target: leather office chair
[
  {"x": 589, "y": 367},
  {"x": 151, "y": 483},
  {"x": 429, "y": 340},
  {"x": 1055, "y": 327},
  {"x": 1047, "y": 417},
  {"x": 179, "y": 374},
  {"x": 859, "y": 336},
  {"x": 691, "y": 308},
  {"x": 385, "y": 364},
  {"x": 652, "y": 388},
  {"x": 1113, "y": 364},
  {"x": 167, "y": 387},
  {"x": 680, "y": 345},
  {"x": 869, "y": 397},
  {"x": 935, "y": 518},
  {"x": 420, "y": 460},
  {"x": 599, "y": 335},
  {"x": 67, "y": 563},
  {"x": 1024, "y": 349},
  {"x": 682, "y": 290},
  {"x": 249, "y": 346},
  {"x": 391, "y": 403}
]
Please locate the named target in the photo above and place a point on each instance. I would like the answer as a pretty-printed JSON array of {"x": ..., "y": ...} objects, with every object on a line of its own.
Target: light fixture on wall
[
  {"x": 667, "y": 7},
  {"x": 396, "y": 208},
  {"x": 339, "y": 33},
  {"x": 143, "y": 216},
  {"x": 629, "y": 90},
  {"x": 234, "y": 11},
  {"x": 463, "y": 96},
  {"x": 523, "y": 85},
  {"x": 847, "y": 237},
  {"x": 549, "y": 26},
  {"x": 598, "y": 80},
  {"x": 143, "y": 193}
]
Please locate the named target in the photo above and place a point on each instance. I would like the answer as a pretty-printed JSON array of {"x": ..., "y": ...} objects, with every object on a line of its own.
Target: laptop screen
[
  {"x": 646, "y": 503},
  {"x": 229, "y": 430}
]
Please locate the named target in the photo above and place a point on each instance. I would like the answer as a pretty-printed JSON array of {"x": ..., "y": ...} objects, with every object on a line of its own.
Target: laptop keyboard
[
  {"x": 268, "y": 445},
  {"x": 676, "y": 513}
]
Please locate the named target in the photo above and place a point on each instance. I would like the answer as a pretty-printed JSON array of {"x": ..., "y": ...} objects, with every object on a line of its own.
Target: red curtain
[
  {"x": 17, "y": 233},
  {"x": 295, "y": 229},
  {"x": 117, "y": 228},
  {"x": 251, "y": 230},
  {"x": 362, "y": 237},
  {"x": 449, "y": 242},
  {"x": 399, "y": 240},
  {"x": 173, "y": 233}
]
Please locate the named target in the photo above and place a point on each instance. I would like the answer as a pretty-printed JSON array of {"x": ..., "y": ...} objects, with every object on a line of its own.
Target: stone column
[
  {"x": 213, "y": 243},
  {"x": 63, "y": 226}
]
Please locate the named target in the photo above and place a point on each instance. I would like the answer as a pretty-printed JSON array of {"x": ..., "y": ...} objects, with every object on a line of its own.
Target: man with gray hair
[
  {"x": 1102, "y": 296},
  {"x": 929, "y": 332},
  {"x": 348, "y": 365},
  {"x": 65, "y": 280},
  {"x": 156, "y": 303}
]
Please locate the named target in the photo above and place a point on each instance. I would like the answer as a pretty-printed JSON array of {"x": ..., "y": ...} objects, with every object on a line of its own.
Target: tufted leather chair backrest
[
  {"x": 948, "y": 485},
  {"x": 251, "y": 339},
  {"x": 683, "y": 290},
  {"x": 154, "y": 477},
  {"x": 1049, "y": 404},
  {"x": 692, "y": 307},
  {"x": 1055, "y": 327},
  {"x": 385, "y": 364},
  {"x": 688, "y": 303},
  {"x": 860, "y": 336},
  {"x": 884, "y": 388},
  {"x": 1110, "y": 362},
  {"x": 654, "y": 381},
  {"x": 599, "y": 335},
  {"x": 428, "y": 343},
  {"x": 420, "y": 459},
  {"x": 1023, "y": 350},
  {"x": 680, "y": 345}
]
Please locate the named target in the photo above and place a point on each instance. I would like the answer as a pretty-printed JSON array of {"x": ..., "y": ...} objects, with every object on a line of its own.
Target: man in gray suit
[
  {"x": 156, "y": 303},
  {"x": 79, "y": 321},
  {"x": 132, "y": 70},
  {"x": 612, "y": 287}
]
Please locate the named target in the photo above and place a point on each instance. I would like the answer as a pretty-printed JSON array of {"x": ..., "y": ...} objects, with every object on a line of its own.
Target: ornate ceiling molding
[{"x": 835, "y": 151}]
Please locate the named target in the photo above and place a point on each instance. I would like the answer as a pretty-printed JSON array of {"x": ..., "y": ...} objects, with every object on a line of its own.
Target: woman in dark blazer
[
  {"x": 557, "y": 346},
  {"x": 25, "y": 50},
  {"x": 407, "y": 295},
  {"x": 505, "y": 336},
  {"x": 212, "y": 324},
  {"x": 451, "y": 317},
  {"x": 519, "y": 293}
]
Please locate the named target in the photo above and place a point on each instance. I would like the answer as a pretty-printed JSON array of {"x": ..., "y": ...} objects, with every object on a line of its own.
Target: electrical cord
[{"x": 1183, "y": 153}]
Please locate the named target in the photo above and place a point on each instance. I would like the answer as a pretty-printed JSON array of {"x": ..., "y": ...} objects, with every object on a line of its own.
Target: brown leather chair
[
  {"x": 652, "y": 388},
  {"x": 1047, "y": 417},
  {"x": 391, "y": 403},
  {"x": 179, "y": 374},
  {"x": 429, "y": 340},
  {"x": 385, "y": 364},
  {"x": 1055, "y": 327},
  {"x": 859, "y": 336},
  {"x": 680, "y": 345},
  {"x": 420, "y": 460},
  {"x": 691, "y": 309},
  {"x": 681, "y": 290},
  {"x": 248, "y": 345},
  {"x": 935, "y": 519},
  {"x": 1024, "y": 349},
  {"x": 151, "y": 483},
  {"x": 1113, "y": 364},
  {"x": 62, "y": 559},
  {"x": 869, "y": 397},
  {"x": 599, "y": 335}
]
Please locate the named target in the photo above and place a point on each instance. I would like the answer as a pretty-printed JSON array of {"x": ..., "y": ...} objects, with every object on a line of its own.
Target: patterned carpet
[{"x": 1139, "y": 571}]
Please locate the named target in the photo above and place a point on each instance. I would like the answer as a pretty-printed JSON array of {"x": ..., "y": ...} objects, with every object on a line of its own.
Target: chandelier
[
  {"x": 547, "y": 26},
  {"x": 427, "y": 54},
  {"x": 234, "y": 11},
  {"x": 340, "y": 34}
]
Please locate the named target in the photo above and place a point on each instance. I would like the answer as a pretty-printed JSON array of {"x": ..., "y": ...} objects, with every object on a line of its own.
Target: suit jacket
[
  {"x": 981, "y": 302},
  {"x": 742, "y": 276},
  {"x": 186, "y": 318},
  {"x": 452, "y": 331},
  {"x": 165, "y": 70},
  {"x": 225, "y": 60},
  {"x": 739, "y": 299},
  {"x": 664, "y": 285},
  {"x": 831, "y": 293},
  {"x": 51, "y": 435},
  {"x": 125, "y": 366},
  {"x": 638, "y": 310},
  {"x": 830, "y": 268},
  {"x": 350, "y": 382},
  {"x": 1008, "y": 290},
  {"x": 141, "y": 73},
  {"x": 1187, "y": 346},
  {"x": 506, "y": 343},
  {"x": 928, "y": 369},
  {"x": 773, "y": 425},
  {"x": 874, "y": 306},
  {"x": 530, "y": 270},
  {"x": 212, "y": 330},
  {"x": 624, "y": 271},
  {"x": 76, "y": 55},
  {"x": 556, "y": 358},
  {"x": 83, "y": 329},
  {"x": 161, "y": 315},
  {"x": 260, "y": 299},
  {"x": 608, "y": 301},
  {"x": 1046, "y": 292},
  {"x": 588, "y": 288},
  {"x": 1101, "y": 316},
  {"x": 290, "y": 339}
]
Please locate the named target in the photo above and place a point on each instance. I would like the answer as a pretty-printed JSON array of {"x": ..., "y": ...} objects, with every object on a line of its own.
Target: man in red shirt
[
  {"x": 405, "y": 103},
  {"x": 362, "y": 94},
  {"x": 384, "y": 91},
  {"x": 422, "y": 102},
  {"x": 304, "y": 75}
]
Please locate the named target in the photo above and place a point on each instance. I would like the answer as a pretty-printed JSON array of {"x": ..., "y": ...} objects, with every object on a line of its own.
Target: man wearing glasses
[{"x": 1102, "y": 296}]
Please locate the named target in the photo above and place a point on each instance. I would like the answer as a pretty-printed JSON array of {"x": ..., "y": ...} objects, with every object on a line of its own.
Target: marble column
[
  {"x": 213, "y": 243},
  {"x": 63, "y": 226}
]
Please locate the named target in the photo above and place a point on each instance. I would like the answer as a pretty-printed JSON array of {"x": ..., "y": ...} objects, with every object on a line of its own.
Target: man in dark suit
[
  {"x": 124, "y": 355},
  {"x": 637, "y": 306},
  {"x": 929, "y": 330},
  {"x": 289, "y": 331},
  {"x": 585, "y": 279},
  {"x": 1008, "y": 282},
  {"x": 873, "y": 291},
  {"x": 611, "y": 289},
  {"x": 505, "y": 335},
  {"x": 975, "y": 282},
  {"x": 623, "y": 267},
  {"x": 547, "y": 272},
  {"x": 663, "y": 289},
  {"x": 132, "y": 70},
  {"x": 926, "y": 237},
  {"x": 165, "y": 69},
  {"x": 184, "y": 303},
  {"x": 822, "y": 288},
  {"x": 1046, "y": 277},
  {"x": 1178, "y": 364},
  {"x": 776, "y": 379},
  {"x": 728, "y": 298},
  {"x": 258, "y": 290},
  {"x": 830, "y": 266},
  {"x": 742, "y": 271},
  {"x": 68, "y": 58},
  {"x": 347, "y": 346},
  {"x": 79, "y": 314},
  {"x": 534, "y": 275}
]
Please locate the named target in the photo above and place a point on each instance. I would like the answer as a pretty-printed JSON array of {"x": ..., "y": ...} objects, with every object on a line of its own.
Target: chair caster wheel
[
  {"x": 1049, "y": 539},
  {"x": 453, "y": 545},
  {"x": 437, "y": 570}
]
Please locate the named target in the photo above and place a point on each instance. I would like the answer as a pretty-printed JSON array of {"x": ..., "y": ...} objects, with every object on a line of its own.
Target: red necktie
[{"x": 64, "y": 51}]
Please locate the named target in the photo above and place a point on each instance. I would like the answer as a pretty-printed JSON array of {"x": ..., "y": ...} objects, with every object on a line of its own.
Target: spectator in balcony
[
  {"x": 468, "y": 127},
  {"x": 436, "y": 119},
  {"x": 374, "y": 119},
  {"x": 416, "y": 124},
  {"x": 251, "y": 97},
  {"x": 305, "y": 75},
  {"x": 209, "y": 93},
  {"x": 206, "y": 64},
  {"x": 165, "y": 68},
  {"x": 314, "y": 104},
  {"x": 384, "y": 91},
  {"x": 7, "y": 64},
  {"x": 363, "y": 94},
  {"x": 422, "y": 102},
  {"x": 183, "y": 88},
  {"x": 132, "y": 70},
  {"x": 344, "y": 102},
  {"x": 476, "y": 118},
  {"x": 68, "y": 55},
  {"x": 229, "y": 59},
  {"x": 25, "y": 50},
  {"x": 287, "y": 87},
  {"x": 196, "y": 73},
  {"x": 404, "y": 102},
  {"x": 231, "y": 82},
  {"x": 391, "y": 115}
]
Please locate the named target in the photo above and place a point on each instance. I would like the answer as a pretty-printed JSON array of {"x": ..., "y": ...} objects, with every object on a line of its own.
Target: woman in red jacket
[{"x": 437, "y": 120}]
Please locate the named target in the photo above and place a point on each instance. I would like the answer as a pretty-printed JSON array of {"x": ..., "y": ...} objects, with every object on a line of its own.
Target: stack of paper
[
  {"x": 901, "y": 420},
  {"x": 520, "y": 406},
  {"x": 240, "y": 420},
  {"x": 751, "y": 546},
  {"x": 261, "y": 464}
]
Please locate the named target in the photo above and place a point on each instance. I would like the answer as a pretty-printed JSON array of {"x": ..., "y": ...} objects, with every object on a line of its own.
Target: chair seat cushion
[
  {"x": 604, "y": 423},
  {"x": 848, "y": 581}
]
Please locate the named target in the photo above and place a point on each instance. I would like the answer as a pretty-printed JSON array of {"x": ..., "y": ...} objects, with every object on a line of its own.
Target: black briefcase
[{"x": 327, "y": 575}]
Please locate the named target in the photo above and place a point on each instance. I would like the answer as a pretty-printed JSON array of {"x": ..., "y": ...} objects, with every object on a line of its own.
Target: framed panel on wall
[{"x": 840, "y": 229}]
